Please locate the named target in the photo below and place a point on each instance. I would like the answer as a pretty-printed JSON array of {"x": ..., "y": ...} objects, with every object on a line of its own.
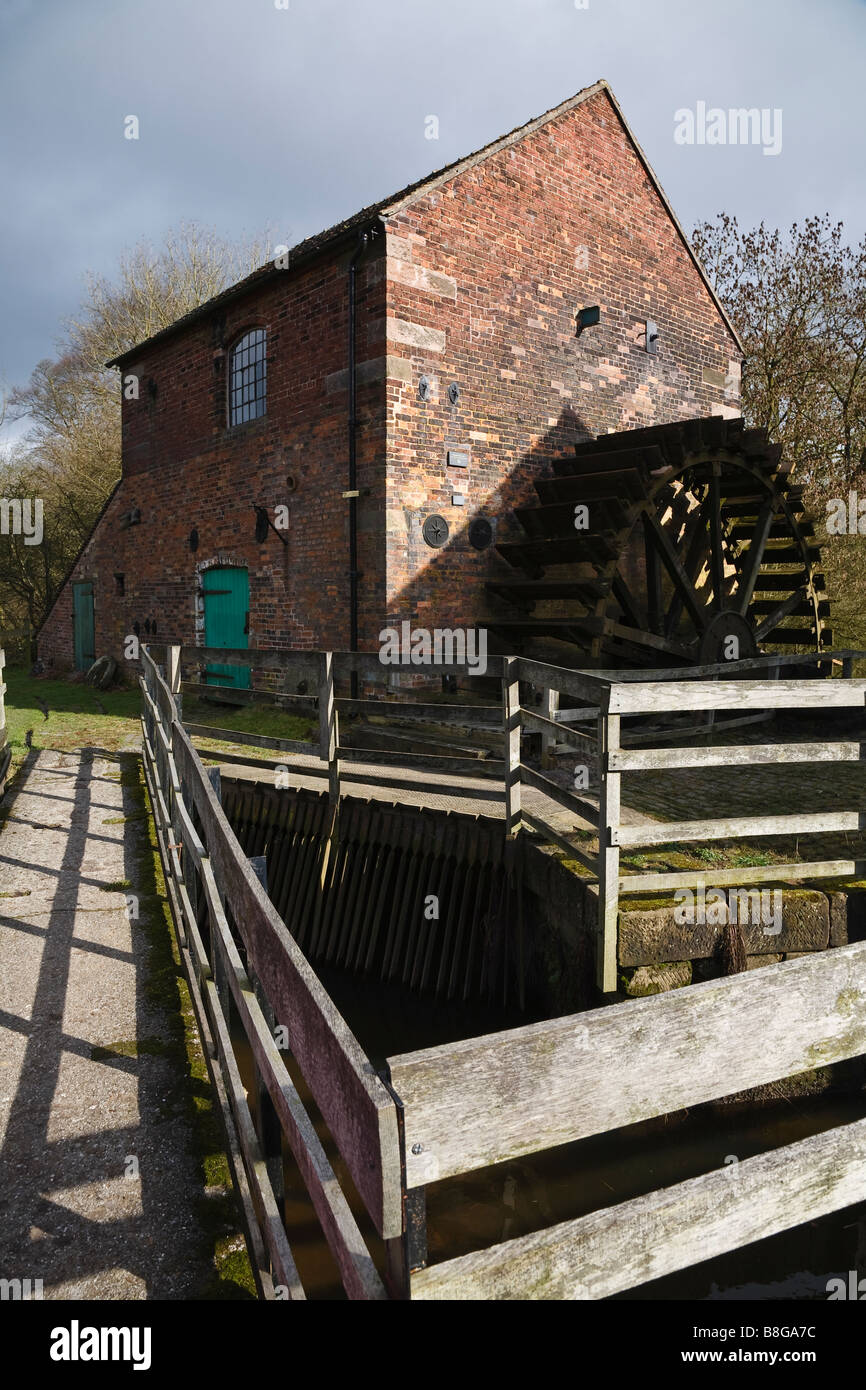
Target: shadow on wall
[{"x": 446, "y": 585}]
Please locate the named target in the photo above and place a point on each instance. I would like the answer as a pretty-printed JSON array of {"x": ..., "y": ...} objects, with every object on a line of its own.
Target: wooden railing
[
  {"x": 487, "y": 1100},
  {"x": 238, "y": 954},
  {"x": 459, "y": 1108},
  {"x": 5, "y": 749},
  {"x": 603, "y": 701}
]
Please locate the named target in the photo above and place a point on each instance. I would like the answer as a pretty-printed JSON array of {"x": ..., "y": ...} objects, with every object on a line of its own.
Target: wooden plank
[
  {"x": 357, "y": 1270},
  {"x": 268, "y": 699},
  {"x": 554, "y": 731},
  {"x": 667, "y": 832},
  {"x": 609, "y": 730},
  {"x": 424, "y": 762},
  {"x": 549, "y": 704},
  {"x": 484, "y": 1100},
  {"x": 583, "y": 685},
  {"x": 248, "y": 760},
  {"x": 172, "y": 669},
  {"x": 457, "y": 790},
  {"x": 357, "y": 1107},
  {"x": 303, "y": 664},
  {"x": 270, "y": 1219},
  {"x": 578, "y": 805},
  {"x": 571, "y": 716},
  {"x": 653, "y": 759},
  {"x": 656, "y": 697},
  {"x": 368, "y": 664},
  {"x": 195, "y": 974},
  {"x": 329, "y": 726},
  {"x": 511, "y": 744},
  {"x": 721, "y": 878},
  {"x": 456, "y": 716},
  {"x": 287, "y": 745},
  {"x": 572, "y": 851},
  {"x": 635, "y": 1242}
]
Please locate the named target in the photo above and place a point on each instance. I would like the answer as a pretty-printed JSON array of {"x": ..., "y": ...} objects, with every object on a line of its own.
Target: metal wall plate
[
  {"x": 480, "y": 532},
  {"x": 435, "y": 531}
]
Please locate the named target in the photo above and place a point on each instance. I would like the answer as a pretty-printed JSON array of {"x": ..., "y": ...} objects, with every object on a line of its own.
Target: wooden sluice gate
[
  {"x": 432, "y": 901},
  {"x": 346, "y": 882}
]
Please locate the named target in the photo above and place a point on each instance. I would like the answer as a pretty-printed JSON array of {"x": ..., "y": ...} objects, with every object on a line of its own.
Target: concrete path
[{"x": 101, "y": 1187}]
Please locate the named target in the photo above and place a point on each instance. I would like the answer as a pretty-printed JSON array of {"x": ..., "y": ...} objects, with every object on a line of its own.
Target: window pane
[{"x": 248, "y": 378}]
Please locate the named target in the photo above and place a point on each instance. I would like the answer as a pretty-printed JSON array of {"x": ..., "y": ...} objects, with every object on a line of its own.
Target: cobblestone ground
[
  {"x": 100, "y": 1189},
  {"x": 765, "y": 789}
]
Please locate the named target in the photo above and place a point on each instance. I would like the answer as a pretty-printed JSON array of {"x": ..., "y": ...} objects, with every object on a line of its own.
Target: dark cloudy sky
[{"x": 255, "y": 117}]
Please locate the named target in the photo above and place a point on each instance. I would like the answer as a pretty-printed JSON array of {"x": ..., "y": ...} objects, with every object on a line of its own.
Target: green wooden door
[
  {"x": 83, "y": 627},
  {"x": 226, "y": 622}
]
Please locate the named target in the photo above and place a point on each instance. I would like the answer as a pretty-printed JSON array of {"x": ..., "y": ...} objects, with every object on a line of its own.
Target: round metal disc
[
  {"x": 435, "y": 531},
  {"x": 480, "y": 532}
]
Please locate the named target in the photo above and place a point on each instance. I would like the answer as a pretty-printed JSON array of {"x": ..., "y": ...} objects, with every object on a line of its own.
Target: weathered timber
[
  {"x": 457, "y": 716},
  {"x": 485, "y": 1100},
  {"x": 609, "y": 731},
  {"x": 197, "y": 972},
  {"x": 355, "y": 1104},
  {"x": 653, "y": 759},
  {"x": 634, "y": 1242},
  {"x": 356, "y": 1266},
  {"x": 660, "y": 697},
  {"x": 287, "y": 745},
  {"x": 668, "y": 832},
  {"x": 723, "y": 878},
  {"x": 578, "y": 805}
]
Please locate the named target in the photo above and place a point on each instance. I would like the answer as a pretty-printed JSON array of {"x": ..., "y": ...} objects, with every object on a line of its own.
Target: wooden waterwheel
[{"x": 680, "y": 544}]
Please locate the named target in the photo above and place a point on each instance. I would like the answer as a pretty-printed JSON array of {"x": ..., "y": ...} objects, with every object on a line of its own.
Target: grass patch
[
  {"x": 268, "y": 720},
  {"x": 75, "y": 715}
]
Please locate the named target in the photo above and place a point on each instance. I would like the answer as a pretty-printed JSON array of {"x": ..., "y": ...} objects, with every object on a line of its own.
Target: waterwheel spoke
[
  {"x": 695, "y": 554},
  {"x": 674, "y": 566},
  {"x": 653, "y": 579},
  {"x": 755, "y": 555},
  {"x": 631, "y": 609},
  {"x": 782, "y": 610},
  {"x": 642, "y": 638},
  {"x": 717, "y": 562}
]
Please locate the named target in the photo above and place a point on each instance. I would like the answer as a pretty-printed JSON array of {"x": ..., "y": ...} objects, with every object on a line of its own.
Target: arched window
[{"x": 248, "y": 377}]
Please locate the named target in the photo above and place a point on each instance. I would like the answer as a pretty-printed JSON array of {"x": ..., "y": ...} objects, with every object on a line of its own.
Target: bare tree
[{"x": 70, "y": 455}]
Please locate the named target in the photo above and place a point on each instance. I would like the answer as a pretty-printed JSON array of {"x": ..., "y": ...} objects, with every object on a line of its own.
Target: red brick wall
[
  {"x": 490, "y": 269},
  {"x": 483, "y": 279},
  {"x": 183, "y": 468}
]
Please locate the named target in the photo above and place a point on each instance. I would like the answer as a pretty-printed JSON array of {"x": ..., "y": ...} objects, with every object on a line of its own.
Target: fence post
[
  {"x": 328, "y": 727},
  {"x": 511, "y": 736},
  {"x": 549, "y": 709},
  {"x": 608, "y": 851},
  {"x": 173, "y": 676},
  {"x": 268, "y": 1125},
  {"x": 5, "y": 751}
]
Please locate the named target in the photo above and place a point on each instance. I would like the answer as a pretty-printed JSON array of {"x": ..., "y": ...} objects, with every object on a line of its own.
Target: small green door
[
  {"x": 226, "y": 622},
  {"x": 83, "y": 634}
]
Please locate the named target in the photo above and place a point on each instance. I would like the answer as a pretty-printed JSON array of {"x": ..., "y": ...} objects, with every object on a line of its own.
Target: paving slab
[{"x": 100, "y": 1187}]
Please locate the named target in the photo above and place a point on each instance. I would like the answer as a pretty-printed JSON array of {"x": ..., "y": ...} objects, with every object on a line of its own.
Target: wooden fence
[
  {"x": 5, "y": 749},
  {"x": 600, "y": 701},
  {"x": 491, "y": 1099},
  {"x": 459, "y": 1108},
  {"x": 238, "y": 954}
]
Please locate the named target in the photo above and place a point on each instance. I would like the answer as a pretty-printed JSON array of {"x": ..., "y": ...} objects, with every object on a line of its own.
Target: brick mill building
[{"x": 315, "y": 514}]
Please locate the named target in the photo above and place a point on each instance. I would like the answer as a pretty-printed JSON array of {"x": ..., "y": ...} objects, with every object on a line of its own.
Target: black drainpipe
[{"x": 353, "y": 464}]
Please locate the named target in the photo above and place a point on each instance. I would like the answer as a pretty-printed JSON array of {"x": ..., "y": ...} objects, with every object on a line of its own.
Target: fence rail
[
  {"x": 469, "y": 1105},
  {"x": 604, "y": 700},
  {"x": 5, "y": 749},
  {"x": 236, "y": 947}
]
